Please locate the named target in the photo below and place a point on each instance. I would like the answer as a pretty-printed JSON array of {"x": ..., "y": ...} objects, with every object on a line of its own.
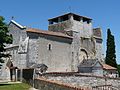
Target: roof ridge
[{"x": 13, "y": 21}]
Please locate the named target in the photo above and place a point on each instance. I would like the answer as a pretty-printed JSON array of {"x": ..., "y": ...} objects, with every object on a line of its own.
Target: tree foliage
[
  {"x": 118, "y": 66},
  {"x": 5, "y": 38},
  {"x": 110, "y": 52}
]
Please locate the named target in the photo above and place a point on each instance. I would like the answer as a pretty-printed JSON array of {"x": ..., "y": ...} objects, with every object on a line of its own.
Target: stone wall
[
  {"x": 4, "y": 73},
  {"x": 43, "y": 84},
  {"x": 83, "y": 28},
  {"x": 18, "y": 59},
  {"x": 57, "y": 56},
  {"x": 16, "y": 33},
  {"x": 78, "y": 80},
  {"x": 98, "y": 48},
  {"x": 89, "y": 45},
  {"x": 32, "y": 56},
  {"x": 60, "y": 27},
  {"x": 75, "y": 52}
]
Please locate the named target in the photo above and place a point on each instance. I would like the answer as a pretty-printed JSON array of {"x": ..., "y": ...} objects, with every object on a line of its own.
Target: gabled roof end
[{"x": 17, "y": 24}]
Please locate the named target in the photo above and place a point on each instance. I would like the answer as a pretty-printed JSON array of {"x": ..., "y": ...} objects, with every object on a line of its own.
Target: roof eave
[
  {"x": 50, "y": 34},
  {"x": 68, "y": 14}
]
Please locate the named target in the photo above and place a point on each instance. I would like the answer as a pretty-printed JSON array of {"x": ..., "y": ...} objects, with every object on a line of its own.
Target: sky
[{"x": 35, "y": 13}]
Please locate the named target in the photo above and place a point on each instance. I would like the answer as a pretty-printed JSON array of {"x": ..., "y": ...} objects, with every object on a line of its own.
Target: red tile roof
[
  {"x": 58, "y": 34},
  {"x": 108, "y": 67}
]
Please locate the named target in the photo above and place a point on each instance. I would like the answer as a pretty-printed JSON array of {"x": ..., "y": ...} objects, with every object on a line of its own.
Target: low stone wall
[
  {"x": 44, "y": 84},
  {"x": 77, "y": 79}
]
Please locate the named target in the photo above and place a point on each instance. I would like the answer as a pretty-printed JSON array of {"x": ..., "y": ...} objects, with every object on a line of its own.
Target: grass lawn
[{"x": 15, "y": 86}]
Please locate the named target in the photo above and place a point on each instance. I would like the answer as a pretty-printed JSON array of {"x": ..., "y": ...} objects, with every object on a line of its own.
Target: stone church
[{"x": 70, "y": 38}]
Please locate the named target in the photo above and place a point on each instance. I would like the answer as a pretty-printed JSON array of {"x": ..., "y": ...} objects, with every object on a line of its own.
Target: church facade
[{"x": 70, "y": 38}]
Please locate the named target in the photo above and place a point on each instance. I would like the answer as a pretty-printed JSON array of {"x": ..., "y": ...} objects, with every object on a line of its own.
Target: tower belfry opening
[{"x": 69, "y": 16}]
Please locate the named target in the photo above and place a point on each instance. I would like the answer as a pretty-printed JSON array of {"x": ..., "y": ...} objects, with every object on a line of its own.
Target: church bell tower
[{"x": 71, "y": 22}]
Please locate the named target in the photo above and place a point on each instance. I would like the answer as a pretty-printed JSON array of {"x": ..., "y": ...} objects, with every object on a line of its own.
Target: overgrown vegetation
[{"x": 17, "y": 86}]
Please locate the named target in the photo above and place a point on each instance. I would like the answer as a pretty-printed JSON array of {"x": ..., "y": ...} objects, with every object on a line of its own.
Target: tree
[
  {"x": 110, "y": 52},
  {"x": 5, "y": 38},
  {"x": 118, "y": 66}
]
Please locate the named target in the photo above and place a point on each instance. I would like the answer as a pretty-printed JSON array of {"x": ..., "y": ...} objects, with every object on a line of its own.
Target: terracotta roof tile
[
  {"x": 108, "y": 67},
  {"x": 48, "y": 33}
]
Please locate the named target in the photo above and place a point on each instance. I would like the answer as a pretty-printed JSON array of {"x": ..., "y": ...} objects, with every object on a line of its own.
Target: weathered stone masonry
[{"x": 70, "y": 39}]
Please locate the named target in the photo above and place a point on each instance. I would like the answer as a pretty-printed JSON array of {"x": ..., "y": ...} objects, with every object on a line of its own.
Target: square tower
[{"x": 71, "y": 22}]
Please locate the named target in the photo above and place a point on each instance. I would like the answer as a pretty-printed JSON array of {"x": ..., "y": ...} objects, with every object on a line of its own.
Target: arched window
[
  {"x": 49, "y": 47},
  {"x": 84, "y": 51},
  {"x": 83, "y": 54}
]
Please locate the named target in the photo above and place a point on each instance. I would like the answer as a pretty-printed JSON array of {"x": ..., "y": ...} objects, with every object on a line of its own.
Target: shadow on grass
[{"x": 4, "y": 84}]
